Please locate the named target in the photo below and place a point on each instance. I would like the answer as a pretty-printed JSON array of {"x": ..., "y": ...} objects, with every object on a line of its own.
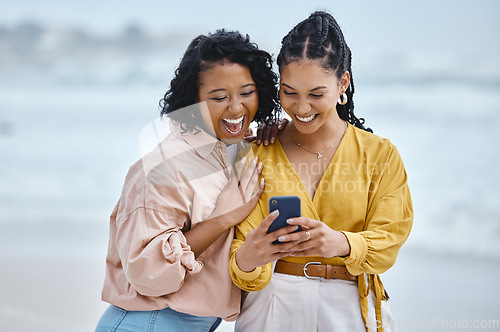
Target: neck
[
  {"x": 227, "y": 142},
  {"x": 327, "y": 134}
]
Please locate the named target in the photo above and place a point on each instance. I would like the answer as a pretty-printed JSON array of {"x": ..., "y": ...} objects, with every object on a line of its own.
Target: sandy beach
[
  {"x": 50, "y": 295},
  {"x": 428, "y": 291}
]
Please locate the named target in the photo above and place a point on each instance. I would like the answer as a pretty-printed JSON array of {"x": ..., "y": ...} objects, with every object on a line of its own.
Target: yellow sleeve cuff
[
  {"x": 252, "y": 275},
  {"x": 359, "y": 250}
]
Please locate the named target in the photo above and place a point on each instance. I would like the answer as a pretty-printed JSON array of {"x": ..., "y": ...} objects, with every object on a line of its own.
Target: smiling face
[
  {"x": 309, "y": 94},
  {"x": 231, "y": 97}
]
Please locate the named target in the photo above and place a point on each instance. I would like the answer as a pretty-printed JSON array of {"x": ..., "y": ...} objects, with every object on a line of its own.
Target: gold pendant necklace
[{"x": 318, "y": 154}]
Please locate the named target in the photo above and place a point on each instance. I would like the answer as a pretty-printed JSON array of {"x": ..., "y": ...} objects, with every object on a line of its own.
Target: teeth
[
  {"x": 309, "y": 118},
  {"x": 235, "y": 121},
  {"x": 238, "y": 121}
]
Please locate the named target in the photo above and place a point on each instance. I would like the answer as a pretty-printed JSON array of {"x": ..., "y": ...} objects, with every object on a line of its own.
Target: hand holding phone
[{"x": 288, "y": 207}]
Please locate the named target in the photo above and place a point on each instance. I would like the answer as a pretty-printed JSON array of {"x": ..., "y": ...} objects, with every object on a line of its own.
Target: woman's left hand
[
  {"x": 266, "y": 133},
  {"x": 321, "y": 241}
]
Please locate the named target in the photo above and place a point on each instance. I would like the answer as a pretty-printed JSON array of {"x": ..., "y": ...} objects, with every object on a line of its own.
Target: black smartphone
[{"x": 288, "y": 206}]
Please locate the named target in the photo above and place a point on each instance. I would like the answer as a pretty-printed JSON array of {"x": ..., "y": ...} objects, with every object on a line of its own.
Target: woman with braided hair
[{"x": 355, "y": 202}]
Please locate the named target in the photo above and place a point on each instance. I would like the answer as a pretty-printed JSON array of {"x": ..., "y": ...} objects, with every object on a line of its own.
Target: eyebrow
[
  {"x": 243, "y": 86},
  {"x": 316, "y": 88},
  {"x": 216, "y": 90}
]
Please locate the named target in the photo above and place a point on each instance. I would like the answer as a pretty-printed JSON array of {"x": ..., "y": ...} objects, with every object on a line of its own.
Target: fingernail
[
  {"x": 254, "y": 161},
  {"x": 259, "y": 166},
  {"x": 282, "y": 238},
  {"x": 266, "y": 142},
  {"x": 289, "y": 221},
  {"x": 295, "y": 227},
  {"x": 272, "y": 140},
  {"x": 275, "y": 213},
  {"x": 262, "y": 181},
  {"x": 258, "y": 141}
]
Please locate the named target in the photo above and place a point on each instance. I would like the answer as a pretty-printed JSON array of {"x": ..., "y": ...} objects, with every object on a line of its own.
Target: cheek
[
  {"x": 325, "y": 104},
  {"x": 215, "y": 111},
  {"x": 285, "y": 101},
  {"x": 286, "y": 104},
  {"x": 253, "y": 105}
]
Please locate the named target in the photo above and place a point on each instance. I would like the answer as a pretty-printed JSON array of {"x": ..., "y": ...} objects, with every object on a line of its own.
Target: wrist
[
  {"x": 344, "y": 246},
  {"x": 222, "y": 222},
  {"x": 241, "y": 262}
]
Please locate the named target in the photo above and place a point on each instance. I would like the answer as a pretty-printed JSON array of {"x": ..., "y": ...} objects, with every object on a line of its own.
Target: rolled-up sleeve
[
  {"x": 258, "y": 278},
  {"x": 154, "y": 252},
  {"x": 388, "y": 222},
  {"x": 154, "y": 210}
]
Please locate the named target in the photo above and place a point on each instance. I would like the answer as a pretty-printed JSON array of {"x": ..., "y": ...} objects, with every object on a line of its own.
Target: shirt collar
[{"x": 201, "y": 141}]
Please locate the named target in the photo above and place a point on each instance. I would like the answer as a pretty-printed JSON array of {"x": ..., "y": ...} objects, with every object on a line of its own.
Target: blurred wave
[
  {"x": 33, "y": 54},
  {"x": 72, "y": 106}
]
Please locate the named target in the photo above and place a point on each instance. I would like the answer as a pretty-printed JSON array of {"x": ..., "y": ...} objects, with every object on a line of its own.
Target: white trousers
[{"x": 293, "y": 303}]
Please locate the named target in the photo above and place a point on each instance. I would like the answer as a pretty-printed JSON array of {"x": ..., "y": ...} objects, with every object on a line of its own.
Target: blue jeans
[{"x": 121, "y": 320}]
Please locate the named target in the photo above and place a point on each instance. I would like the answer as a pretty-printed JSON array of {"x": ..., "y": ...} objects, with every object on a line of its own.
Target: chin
[
  {"x": 232, "y": 139},
  {"x": 306, "y": 130}
]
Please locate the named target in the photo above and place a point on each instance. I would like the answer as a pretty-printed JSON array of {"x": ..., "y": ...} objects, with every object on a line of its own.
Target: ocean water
[
  {"x": 65, "y": 150},
  {"x": 72, "y": 107}
]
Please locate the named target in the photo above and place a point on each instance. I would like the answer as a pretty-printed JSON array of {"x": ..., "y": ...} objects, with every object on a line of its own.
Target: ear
[{"x": 345, "y": 79}]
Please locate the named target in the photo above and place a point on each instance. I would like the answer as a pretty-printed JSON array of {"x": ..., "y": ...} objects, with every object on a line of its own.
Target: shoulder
[
  {"x": 372, "y": 146},
  {"x": 172, "y": 145},
  {"x": 375, "y": 152},
  {"x": 159, "y": 176},
  {"x": 161, "y": 166},
  {"x": 371, "y": 140},
  {"x": 268, "y": 155},
  {"x": 271, "y": 149}
]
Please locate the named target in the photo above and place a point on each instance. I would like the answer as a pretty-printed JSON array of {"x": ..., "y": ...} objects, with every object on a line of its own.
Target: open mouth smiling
[
  {"x": 234, "y": 126},
  {"x": 306, "y": 119}
]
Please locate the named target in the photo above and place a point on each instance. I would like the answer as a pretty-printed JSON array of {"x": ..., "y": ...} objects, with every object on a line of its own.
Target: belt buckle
[{"x": 305, "y": 269}]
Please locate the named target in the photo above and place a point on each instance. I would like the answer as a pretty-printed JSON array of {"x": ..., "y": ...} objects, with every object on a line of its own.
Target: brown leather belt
[{"x": 314, "y": 270}]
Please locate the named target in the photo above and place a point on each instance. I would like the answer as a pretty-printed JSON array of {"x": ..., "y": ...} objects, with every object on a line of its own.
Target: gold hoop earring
[{"x": 342, "y": 99}]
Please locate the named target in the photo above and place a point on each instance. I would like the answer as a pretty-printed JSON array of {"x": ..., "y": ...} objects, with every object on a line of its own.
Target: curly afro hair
[{"x": 204, "y": 52}]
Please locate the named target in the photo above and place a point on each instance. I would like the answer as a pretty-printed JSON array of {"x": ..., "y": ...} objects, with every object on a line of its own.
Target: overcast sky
[{"x": 432, "y": 25}]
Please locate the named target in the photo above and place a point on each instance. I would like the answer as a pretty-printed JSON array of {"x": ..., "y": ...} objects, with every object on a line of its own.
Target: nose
[
  {"x": 303, "y": 106},
  {"x": 236, "y": 105}
]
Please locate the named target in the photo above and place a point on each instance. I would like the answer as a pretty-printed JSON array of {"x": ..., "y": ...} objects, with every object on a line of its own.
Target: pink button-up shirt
[{"x": 149, "y": 264}]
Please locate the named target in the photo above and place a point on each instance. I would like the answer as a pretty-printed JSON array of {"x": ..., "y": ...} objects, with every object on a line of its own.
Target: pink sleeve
[
  {"x": 154, "y": 252},
  {"x": 153, "y": 212}
]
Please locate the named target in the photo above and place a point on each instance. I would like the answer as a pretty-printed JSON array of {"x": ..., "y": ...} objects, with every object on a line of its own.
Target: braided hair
[
  {"x": 320, "y": 38},
  {"x": 203, "y": 53}
]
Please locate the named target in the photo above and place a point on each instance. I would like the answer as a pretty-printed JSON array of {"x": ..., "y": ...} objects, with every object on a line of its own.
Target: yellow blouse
[{"x": 363, "y": 193}]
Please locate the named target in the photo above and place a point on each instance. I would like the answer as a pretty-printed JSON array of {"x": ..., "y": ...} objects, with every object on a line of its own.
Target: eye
[
  {"x": 247, "y": 93},
  {"x": 316, "y": 95},
  {"x": 289, "y": 93},
  {"x": 218, "y": 98}
]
